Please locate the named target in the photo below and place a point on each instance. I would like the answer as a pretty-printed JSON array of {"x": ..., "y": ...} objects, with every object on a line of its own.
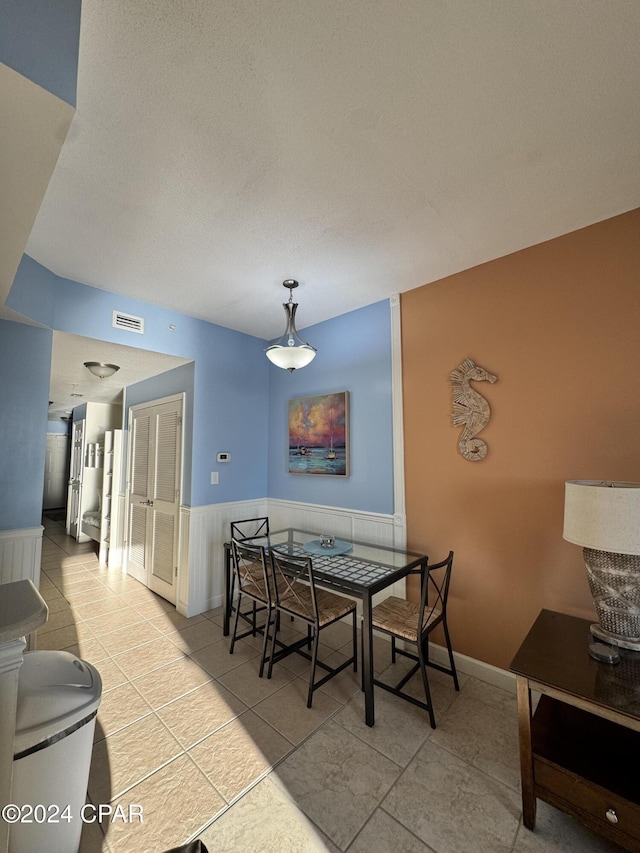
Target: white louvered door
[{"x": 155, "y": 436}]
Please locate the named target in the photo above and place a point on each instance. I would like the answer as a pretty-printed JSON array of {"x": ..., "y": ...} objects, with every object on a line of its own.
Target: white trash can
[{"x": 58, "y": 699}]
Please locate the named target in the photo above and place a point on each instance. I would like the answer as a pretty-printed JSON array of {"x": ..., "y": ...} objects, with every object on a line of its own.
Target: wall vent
[{"x": 128, "y": 322}]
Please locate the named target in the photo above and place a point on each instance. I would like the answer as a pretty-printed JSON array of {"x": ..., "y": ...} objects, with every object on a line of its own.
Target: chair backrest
[
  {"x": 250, "y": 528},
  {"x": 289, "y": 576},
  {"x": 435, "y": 592},
  {"x": 250, "y": 567}
]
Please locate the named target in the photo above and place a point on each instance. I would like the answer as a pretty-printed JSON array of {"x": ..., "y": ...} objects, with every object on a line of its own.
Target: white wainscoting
[
  {"x": 203, "y": 532},
  {"x": 21, "y": 554},
  {"x": 205, "y": 529}
]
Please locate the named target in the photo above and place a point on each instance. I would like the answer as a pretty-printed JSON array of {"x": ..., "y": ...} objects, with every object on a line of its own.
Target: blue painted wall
[
  {"x": 39, "y": 39},
  {"x": 180, "y": 380},
  {"x": 58, "y": 428},
  {"x": 354, "y": 355},
  {"x": 25, "y": 365},
  {"x": 231, "y": 377}
]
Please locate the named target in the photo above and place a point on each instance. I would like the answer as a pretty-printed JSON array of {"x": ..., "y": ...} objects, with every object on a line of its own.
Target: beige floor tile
[
  {"x": 55, "y": 605},
  {"x": 127, "y": 757},
  {"x": 99, "y": 607},
  {"x": 113, "y": 621},
  {"x": 77, "y": 587},
  {"x": 90, "y": 650},
  {"x": 147, "y": 657},
  {"x": 149, "y": 605},
  {"x": 481, "y": 727},
  {"x": 61, "y": 618},
  {"x": 77, "y": 597},
  {"x": 266, "y": 820},
  {"x": 60, "y": 638},
  {"x": 467, "y": 810},
  {"x": 111, "y": 674},
  {"x": 338, "y": 781},
  {"x": 287, "y": 710},
  {"x": 177, "y": 801},
  {"x": 400, "y": 729},
  {"x": 169, "y": 682},
  {"x": 382, "y": 834},
  {"x": 171, "y": 620},
  {"x": 196, "y": 636},
  {"x": 119, "y": 708},
  {"x": 128, "y": 638},
  {"x": 216, "y": 614},
  {"x": 217, "y": 660},
  {"x": 201, "y": 712},
  {"x": 236, "y": 756},
  {"x": 52, "y": 595},
  {"x": 245, "y": 682},
  {"x": 92, "y": 839}
]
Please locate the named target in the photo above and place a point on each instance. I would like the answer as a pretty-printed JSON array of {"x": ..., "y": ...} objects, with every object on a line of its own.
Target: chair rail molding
[{"x": 21, "y": 555}]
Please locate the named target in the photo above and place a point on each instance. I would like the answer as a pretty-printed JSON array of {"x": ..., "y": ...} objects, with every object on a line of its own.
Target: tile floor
[{"x": 209, "y": 750}]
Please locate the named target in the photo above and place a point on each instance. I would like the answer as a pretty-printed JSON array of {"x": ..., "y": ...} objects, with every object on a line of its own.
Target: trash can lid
[{"x": 55, "y": 691}]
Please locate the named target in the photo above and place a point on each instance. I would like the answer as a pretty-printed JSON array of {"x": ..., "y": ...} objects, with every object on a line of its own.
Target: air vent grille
[{"x": 128, "y": 322}]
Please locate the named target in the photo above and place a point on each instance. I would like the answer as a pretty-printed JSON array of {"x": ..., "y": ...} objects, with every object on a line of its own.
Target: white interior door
[
  {"x": 56, "y": 472},
  {"x": 155, "y": 466},
  {"x": 76, "y": 471}
]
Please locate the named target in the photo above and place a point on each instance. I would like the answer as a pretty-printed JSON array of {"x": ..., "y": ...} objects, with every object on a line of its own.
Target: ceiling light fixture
[
  {"x": 290, "y": 352},
  {"x": 99, "y": 368}
]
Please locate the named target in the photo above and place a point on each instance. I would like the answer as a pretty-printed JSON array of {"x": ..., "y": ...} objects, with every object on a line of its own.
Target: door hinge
[
  {"x": 176, "y": 572},
  {"x": 179, "y": 420}
]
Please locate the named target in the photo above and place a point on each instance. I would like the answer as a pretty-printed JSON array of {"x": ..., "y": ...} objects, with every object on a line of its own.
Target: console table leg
[{"x": 526, "y": 752}]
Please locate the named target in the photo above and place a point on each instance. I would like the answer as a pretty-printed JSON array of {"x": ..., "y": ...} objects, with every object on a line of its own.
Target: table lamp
[{"x": 604, "y": 517}]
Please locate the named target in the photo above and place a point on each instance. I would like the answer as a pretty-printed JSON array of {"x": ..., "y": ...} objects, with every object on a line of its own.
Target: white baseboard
[{"x": 475, "y": 668}]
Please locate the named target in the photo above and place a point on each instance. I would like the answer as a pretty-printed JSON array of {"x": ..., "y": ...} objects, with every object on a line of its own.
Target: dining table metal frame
[{"x": 361, "y": 573}]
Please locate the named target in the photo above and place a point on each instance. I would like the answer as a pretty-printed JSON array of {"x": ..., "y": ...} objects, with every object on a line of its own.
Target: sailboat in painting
[{"x": 331, "y": 454}]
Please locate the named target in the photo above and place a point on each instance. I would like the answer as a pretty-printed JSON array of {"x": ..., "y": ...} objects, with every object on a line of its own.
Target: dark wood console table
[{"x": 580, "y": 750}]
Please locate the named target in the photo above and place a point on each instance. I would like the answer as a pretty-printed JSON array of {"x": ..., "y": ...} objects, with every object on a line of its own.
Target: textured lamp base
[
  {"x": 615, "y": 639},
  {"x": 614, "y": 581}
]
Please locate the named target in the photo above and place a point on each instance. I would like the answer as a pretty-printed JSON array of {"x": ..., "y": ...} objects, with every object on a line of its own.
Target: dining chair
[
  {"x": 252, "y": 576},
  {"x": 250, "y": 528},
  {"x": 295, "y": 593},
  {"x": 242, "y": 531},
  {"x": 413, "y": 622}
]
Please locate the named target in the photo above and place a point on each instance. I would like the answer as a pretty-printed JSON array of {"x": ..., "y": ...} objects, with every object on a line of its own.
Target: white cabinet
[
  {"x": 109, "y": 553},
  {"x": 86, "y": 479}
]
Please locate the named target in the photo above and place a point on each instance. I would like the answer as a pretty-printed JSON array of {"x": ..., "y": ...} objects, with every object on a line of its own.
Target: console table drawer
[{"x": 613, "y": 813}]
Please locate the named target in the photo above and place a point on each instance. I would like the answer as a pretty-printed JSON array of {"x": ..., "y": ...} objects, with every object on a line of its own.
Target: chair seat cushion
[
  {"x": 330, "y": 607},
  {"x": 400, "y": 617},
  {"x": 255, "y": 588}
]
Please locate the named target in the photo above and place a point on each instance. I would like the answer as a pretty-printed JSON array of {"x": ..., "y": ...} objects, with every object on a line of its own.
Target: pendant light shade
[
  {"x": 290, "y": 352},
  {"x": 101, "y": 369}
]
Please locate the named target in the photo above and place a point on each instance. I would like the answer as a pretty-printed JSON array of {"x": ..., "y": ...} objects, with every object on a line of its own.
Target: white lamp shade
[
  {"x": 603, "y": 515},
  {"x": 290, "y": 358}
]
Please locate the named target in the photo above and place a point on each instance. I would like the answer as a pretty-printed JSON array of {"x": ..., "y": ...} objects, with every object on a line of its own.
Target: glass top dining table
[{"x": 361, "y": 572}]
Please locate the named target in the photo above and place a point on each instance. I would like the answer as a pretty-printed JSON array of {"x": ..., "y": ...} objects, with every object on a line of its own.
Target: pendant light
[
  {"x": 290, "y": 352},
  {"x": 101, "y": 369}
]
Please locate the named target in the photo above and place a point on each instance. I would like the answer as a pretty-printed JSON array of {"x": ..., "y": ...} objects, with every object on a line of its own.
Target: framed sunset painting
[{"x": 319, "y": 435}]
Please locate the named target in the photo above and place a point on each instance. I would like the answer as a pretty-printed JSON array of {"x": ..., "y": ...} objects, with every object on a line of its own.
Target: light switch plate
[{"x": 214, "y": 478}]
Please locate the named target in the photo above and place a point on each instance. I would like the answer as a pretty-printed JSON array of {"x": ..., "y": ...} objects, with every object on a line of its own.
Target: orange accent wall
[{"x": 559, "y": 323}]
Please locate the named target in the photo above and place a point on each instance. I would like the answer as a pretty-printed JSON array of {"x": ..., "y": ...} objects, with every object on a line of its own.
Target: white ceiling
[
  {"x": 70, "y": 377},
  {"x": 363, "y": 147}
]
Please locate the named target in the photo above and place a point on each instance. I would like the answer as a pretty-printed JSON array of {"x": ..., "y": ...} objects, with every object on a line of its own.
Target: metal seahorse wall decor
[{"x": 470, "y": 409}]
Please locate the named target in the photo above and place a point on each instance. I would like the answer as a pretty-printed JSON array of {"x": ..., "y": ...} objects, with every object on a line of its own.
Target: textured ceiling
[
  {"x": 363, "y": 147},
  {"x": 72, "y": 384}
]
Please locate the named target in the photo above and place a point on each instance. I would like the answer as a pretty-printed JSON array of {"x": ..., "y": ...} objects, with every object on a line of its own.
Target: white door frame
[{"x": 180, "y": 397}]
